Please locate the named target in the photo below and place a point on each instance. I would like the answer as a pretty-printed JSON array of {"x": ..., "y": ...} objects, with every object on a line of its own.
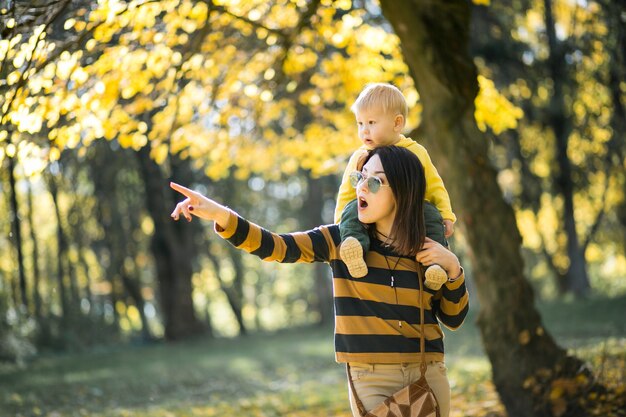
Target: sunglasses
[{"x": 373, "y": 183}]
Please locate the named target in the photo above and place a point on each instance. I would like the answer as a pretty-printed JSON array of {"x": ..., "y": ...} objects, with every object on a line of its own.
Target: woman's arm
[
  {"x": 311, "y": 246},
  {"x": 451, "y": 302}
]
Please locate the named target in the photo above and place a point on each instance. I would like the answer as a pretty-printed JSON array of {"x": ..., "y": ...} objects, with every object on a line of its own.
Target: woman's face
[{"x": 379, "y": 207}]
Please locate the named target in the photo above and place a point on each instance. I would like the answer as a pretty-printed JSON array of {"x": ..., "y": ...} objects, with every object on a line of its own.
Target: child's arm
[
  {"x": 436, "y": 192},
  {"x": 346, "y": 192},
  {"x": 448, "y": 228},
  {"x": 311, "y": 246}
]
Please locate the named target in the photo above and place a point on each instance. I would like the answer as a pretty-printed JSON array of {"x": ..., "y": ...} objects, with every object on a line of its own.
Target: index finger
[{"x": 183, "y": 190}]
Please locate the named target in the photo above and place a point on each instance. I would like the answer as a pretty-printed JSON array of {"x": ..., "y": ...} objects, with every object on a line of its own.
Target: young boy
[{"x": 381, "y": 112}]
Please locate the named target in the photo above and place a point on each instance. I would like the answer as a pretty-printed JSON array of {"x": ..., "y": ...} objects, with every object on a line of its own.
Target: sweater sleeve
[
  {"x": 314, "y": 245},
  {"x": 451, "y": 303},
  {"x": 436, "y": 192},
  {"x": 346, "y": 192}
]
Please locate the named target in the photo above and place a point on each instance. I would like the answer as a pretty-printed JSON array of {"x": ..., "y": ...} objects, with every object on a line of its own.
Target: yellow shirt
[{"x": 436, "y": 192}]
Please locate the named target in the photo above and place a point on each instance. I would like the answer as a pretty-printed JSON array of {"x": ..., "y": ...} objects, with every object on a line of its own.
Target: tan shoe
[
  {"x": 351, "y": 253},
  {"x": 436, "y": 276}
]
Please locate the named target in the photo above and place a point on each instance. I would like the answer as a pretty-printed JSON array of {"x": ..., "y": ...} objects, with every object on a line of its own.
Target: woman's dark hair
[{"x": 405, "y": 175}]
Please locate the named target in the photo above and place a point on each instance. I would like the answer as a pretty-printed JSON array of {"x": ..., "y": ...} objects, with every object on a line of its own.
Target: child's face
[{"x": 377, "y": 128}]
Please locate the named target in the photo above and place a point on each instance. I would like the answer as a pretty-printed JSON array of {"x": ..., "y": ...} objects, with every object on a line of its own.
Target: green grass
[{"x": 290, "y": 373}]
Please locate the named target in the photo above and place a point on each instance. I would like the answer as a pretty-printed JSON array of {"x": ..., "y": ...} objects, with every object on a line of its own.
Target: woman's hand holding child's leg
[{"x": 434, "y": 253}]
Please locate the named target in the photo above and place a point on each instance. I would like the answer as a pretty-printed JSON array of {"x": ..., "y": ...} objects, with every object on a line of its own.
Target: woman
[{"x": 377, "y": 317}]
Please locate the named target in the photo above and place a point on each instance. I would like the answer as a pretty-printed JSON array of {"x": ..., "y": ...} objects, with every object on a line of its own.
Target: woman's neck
[{"x": 383, "y": 232}]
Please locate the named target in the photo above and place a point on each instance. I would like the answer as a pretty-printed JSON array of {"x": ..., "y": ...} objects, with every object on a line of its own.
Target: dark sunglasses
[{"x": 373, "y": 183}]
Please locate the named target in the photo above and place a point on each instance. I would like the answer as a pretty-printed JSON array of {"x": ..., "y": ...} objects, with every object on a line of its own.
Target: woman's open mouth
[{"x": 362, "y": 203}]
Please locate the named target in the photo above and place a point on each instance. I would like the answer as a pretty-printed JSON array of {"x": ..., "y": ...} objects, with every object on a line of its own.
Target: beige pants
[{"x": 375, "y": 382}]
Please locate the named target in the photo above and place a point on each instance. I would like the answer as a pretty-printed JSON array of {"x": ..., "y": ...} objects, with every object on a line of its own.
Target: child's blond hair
[{"x": 386, "y": 96}]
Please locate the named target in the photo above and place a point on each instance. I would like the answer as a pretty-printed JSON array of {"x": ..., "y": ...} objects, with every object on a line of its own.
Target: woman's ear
[{"x": 398, "y": 123}]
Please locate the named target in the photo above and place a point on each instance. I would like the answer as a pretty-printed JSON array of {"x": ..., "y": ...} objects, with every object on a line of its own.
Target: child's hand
[{"x": 448, "y": 228}]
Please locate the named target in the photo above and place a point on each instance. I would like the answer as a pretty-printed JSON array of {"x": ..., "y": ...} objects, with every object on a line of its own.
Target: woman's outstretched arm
[
  {"x": 317, "y": 245},
  {"x": 198, "y": 205}
]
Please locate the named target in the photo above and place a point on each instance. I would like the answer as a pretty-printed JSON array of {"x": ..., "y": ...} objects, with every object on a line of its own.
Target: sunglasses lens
[{"x": 373, "y": 183}]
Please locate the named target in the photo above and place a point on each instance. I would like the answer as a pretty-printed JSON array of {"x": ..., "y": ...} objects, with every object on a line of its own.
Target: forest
[{"x": 520, "y": 103}]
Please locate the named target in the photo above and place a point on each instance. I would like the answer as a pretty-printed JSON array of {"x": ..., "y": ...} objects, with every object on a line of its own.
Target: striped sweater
[{"x": 375, "y": 321}]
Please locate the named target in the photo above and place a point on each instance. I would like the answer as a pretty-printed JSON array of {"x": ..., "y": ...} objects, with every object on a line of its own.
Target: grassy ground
[{"x": 285, "y": 374}]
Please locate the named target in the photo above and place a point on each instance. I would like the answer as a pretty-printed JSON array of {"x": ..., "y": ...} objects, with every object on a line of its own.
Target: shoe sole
[
  {"x": 351, "y": 253},
  {"x": 435, "y": 276}
]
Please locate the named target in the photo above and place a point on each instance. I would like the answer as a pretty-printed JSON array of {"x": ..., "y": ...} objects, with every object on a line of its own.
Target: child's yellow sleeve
[
  {"x": 346, "y": 192},
  {"x": 436, "y": 192}
]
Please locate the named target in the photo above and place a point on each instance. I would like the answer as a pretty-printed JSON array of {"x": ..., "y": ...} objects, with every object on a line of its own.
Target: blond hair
[{"x": 386, "y": 96}]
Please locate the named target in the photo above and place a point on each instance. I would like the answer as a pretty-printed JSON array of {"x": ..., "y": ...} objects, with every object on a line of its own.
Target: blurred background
[{"x": 104, "y": 102}]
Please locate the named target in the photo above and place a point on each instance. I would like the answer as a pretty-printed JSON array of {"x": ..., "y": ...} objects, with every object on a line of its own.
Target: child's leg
[
  {"x": 354, "y": 240},
  {"x": 434, "y": 224},
  {"x": 435, "y": 275}
]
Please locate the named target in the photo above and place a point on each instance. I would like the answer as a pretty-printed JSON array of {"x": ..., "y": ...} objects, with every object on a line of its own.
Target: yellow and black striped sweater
[{"x": 375, "y": 321}]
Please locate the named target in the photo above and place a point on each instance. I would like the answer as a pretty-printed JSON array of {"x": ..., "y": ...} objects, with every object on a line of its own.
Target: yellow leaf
[
  {"x": 138, "y": 140},
  {"x": 13, "y": 77},
  {"x": 524, "y": 337},
  {"x": 125, "y": 140},
  {"x": 10, "y": 150},
  {"x": 54, "y": 154},
  {"x": 159, "y": 153},
  {"x": 69, "y": 23},
  {"x": 528, "y": 382},
  {"x": 493, "y": 110}
]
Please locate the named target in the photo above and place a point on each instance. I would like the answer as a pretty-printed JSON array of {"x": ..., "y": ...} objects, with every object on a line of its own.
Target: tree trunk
[
  {"x": 313, "y": 217},
  {"x": 173, "y": 250},
  {"x": 116, "y": 213},
  {"x": 61, "y": 246},
  {"x": 577, "y": 280},
  {"x": 235, "y": 292},
  {"x": 235, "y": 299},
  {"x": 36, "y": 295},
  {"x": 530, "y": 198},
  {"x": 134, "y": 291},
  {"x": 16, "y": 228},
  {"x": 434, "y": 38},
  {"x": 616, "y": 44}
]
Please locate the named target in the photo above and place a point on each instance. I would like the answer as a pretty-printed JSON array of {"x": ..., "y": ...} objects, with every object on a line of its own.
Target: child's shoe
[
  {"x": 436, "y": 276},
  {"x": 351, "y": 253}
]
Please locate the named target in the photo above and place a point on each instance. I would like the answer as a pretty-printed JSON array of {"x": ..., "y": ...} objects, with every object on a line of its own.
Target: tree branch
[
  {"x": 23, "y": 77},
  {"x": 599, "y": 217},
  {"x": 304, "y": 21},
  {"x": 255, "y": 24}
]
